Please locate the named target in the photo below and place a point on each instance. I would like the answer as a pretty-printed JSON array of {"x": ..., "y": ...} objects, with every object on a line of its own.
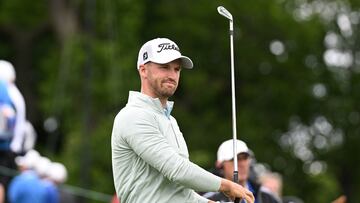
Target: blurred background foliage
[{"x": 297, "y": 82}]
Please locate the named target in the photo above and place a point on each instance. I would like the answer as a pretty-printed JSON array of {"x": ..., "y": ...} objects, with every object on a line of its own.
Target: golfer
[{"x": 150, "y": 158}]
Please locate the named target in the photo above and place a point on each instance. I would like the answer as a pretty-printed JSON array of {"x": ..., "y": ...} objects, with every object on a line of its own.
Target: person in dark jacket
[{"x": 225, "y": 166}]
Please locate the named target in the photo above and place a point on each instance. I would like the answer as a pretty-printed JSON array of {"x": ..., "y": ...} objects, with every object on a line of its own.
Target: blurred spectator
[
  {"x": 28, "y": 161},
  {"x": 51, "y": 191},
  {"x": 56, "y": 175},
  {"x": 225, "y": 165},
  {"x": 43, "y": 168},
  {"x": 7, "y": 117},
  {"x": 271, "y": 183},
  {"x": 12, "y": 119},
  {"x": 27, "y": 186},
  {"x": 7, "y": 125},
  {"x": 8, "y": 75}
]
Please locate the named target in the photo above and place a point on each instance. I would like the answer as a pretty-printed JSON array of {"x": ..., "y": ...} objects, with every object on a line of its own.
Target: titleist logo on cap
[{"x": 167, "y": 46}]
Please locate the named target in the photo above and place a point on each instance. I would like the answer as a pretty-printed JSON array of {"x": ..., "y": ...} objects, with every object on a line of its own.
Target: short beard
[{"x": 161, "y": 91}]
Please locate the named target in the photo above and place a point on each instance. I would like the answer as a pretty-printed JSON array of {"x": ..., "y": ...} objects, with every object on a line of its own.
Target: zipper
[{"x": 172, "y": 127}]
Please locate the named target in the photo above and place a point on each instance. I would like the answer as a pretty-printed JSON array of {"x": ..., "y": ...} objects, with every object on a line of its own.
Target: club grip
[{"x": 236, "y": 180}]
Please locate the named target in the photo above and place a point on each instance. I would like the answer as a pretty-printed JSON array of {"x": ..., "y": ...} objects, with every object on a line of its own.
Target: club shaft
[{"x": 233, "y": 100}]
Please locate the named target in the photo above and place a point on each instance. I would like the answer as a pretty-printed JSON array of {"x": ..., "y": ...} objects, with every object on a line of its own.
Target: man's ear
[
  {"x": 219, "y": 165},
  {"x": 142, "y": 70}
]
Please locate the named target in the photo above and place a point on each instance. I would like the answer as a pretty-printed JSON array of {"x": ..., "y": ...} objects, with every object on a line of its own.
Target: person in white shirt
[
  {"x": 7, "y": 74},
  {"x": 149, "y": 154}
]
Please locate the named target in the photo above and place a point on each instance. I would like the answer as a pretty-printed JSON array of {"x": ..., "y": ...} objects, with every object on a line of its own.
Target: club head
[{"x": 222, "y": 11}]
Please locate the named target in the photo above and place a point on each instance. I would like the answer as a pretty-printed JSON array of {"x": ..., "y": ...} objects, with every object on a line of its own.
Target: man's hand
[{"x": 233, "y": 190}]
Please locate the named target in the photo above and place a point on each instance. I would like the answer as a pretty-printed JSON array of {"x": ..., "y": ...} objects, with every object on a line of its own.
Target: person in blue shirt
[
  {"x": 7, "y": 124},
  {"x": 8, "y": 75},
  {"x": 52, "y": 193},
  {"x": 43, "y": 167},
  {"x": 7, "y": 117},
  {"x": 58, "y": 175},
  {"x": 27, "y": 186}
]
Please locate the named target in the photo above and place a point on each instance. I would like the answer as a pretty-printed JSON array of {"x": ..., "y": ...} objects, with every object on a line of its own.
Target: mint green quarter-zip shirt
[{"x": 150, "y": 158}]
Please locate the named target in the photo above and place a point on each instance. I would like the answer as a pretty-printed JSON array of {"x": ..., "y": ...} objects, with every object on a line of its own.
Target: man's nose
[{"x": 172, "y": 73}]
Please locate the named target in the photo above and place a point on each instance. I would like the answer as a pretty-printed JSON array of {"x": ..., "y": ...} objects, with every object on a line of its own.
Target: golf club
[{"x": 222, "y": 11}]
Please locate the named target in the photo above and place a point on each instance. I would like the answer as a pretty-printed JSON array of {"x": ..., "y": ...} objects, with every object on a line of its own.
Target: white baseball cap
[
  {"x": 7, "y": 71},
  {"x": 57, "y": 172},
  {"x": 42, "y": 166},
  {"x": 226, "y": 152},
  {"x": 29, "y": 160},
  {"x": 162, "y": 50}
]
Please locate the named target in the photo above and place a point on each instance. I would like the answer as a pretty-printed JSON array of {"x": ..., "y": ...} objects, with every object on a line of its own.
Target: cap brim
[
  {"x": 229, "y": 158},
  {"x": 247, "y": 153},
  {"x": 185, "y": 61}
]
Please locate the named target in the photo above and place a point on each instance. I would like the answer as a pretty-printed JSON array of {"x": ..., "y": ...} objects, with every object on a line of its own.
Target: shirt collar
[
  {"x": 168, "y": 108},
  {"x": 141, "y": 100}
]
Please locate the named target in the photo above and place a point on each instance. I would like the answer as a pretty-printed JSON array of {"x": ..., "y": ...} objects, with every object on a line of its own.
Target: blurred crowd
[
  {"x": 25, "y": 175},
  {"x": 265, "y": 184},
  {"x": 38, "y": 179}
]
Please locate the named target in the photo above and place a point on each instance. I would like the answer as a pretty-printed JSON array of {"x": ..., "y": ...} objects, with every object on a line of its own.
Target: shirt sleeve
[{"x": 142, "y": 134}]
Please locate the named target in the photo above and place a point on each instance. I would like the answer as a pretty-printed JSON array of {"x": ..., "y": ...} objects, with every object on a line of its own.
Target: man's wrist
[{"x": 225, "y": 185}]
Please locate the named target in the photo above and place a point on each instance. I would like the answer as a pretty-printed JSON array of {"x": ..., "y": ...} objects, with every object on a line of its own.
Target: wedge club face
[{"x": 222, "y": 11}]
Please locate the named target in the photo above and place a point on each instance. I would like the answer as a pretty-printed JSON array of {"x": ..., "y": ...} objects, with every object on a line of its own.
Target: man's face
[
  {"x": 243, "y": 168},
  {"x": 162, "y": 79}
]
